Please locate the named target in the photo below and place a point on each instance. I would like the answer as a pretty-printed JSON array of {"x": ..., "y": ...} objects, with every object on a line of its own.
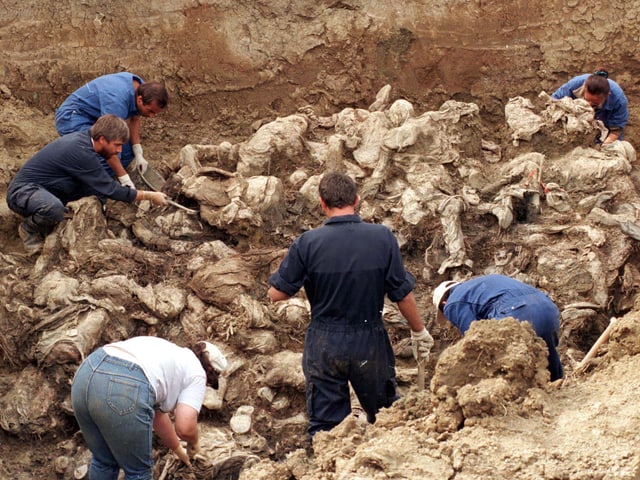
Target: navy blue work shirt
[
  {"x": 346, "y": 267},
  {"x": 69, "y": 168},
  {"x": 499, "y": 296}
]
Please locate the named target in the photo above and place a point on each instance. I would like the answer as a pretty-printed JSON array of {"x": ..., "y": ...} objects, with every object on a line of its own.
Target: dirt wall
[{"x": 253, "y": 59}]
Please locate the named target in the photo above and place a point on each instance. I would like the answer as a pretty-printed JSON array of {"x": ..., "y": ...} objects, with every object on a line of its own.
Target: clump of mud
[
  {"x": 462, "y": 201},
  {"x": 495, "y": 363}
]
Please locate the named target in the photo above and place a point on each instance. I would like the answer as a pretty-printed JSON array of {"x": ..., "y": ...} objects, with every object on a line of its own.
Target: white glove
[
  {"x": 125, "y": 181},
  {"x": 141, "y": 163},
  {"x": 182, "y": 454},
  {"x": 157, "y": 198},
  {"x": 421, "y": 344}
]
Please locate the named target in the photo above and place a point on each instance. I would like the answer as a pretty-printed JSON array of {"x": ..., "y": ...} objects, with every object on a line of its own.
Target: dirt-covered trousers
[
  {"x": 113, "y": 404},
  {"x": 336, "y": 355},
  {"x": 37, "y": 204}
]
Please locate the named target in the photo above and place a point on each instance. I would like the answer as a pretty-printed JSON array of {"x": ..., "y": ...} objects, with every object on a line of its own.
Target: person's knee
[{"x": 50, "y": 214}]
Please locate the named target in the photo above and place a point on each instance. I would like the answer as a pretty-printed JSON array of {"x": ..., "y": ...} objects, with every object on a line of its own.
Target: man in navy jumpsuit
[
  {"x": 496, "y": 297},
  {"x": 346, "y": 267}
]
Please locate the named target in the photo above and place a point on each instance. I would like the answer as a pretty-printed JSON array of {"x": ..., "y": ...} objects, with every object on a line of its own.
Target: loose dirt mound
[{"x": 516, "y": 426}]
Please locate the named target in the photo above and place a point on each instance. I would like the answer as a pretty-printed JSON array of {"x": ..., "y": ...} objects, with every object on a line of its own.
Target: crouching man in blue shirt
[
  {"x": 68, "y": 169},
  {"x": 125, "y": 95},
  {"x": 496, "y": 297}
]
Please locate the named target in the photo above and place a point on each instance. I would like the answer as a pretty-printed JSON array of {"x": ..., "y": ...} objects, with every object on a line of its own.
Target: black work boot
[{"x": 31, "y": 236}]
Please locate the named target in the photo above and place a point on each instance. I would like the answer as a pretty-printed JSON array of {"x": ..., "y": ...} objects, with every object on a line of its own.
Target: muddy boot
[{"x": 31, "y": 236}]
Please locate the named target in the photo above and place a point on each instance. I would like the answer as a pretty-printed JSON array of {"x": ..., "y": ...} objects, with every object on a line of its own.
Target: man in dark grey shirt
[{"x": 68, "y": 169}]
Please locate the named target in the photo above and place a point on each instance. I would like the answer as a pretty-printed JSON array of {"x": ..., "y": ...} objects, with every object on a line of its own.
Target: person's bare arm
[
  {"x": 134, "y": 129},
  {"x": 164, "y": 429},
  {"x": 115, "y": 165},
  {"x": 409, "y": 309},
  {"x": 276, "y": 295},
  {"x": 612, "y": 137},
  {"x": 186, "y": 418}
]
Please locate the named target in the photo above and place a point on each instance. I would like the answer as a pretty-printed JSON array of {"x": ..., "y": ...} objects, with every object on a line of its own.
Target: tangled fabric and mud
[{"x": 545, "y": 209}]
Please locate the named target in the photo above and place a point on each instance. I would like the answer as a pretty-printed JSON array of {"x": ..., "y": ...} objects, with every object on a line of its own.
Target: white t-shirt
[{"x": 175, "y": 373}]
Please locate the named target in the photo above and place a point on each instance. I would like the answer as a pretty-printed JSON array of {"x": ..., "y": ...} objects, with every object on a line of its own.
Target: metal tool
[{"x": 155, "y": 181}]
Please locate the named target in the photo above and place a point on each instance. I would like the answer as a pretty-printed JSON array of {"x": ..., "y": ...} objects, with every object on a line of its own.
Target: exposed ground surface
[{"x": 234, "y": 66}]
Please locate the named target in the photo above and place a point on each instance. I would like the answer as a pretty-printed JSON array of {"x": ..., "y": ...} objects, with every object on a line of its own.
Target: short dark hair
[
  {"x": 111, "y": 127},
  {"x": 338, "y": 190},
  {"x": 597, "y": 84},
  {"x": 153, "y": 91}
]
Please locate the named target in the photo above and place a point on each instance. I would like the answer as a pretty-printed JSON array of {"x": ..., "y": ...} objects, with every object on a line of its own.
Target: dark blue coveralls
[
  {"x": 346, "y": 267},
  {"x": 498, "y": 296}
]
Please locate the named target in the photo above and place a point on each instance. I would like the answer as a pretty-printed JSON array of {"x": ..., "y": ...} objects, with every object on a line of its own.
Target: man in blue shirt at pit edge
[
  {"x": 346, "y": 267},
  {"x": 605, "y": 96},
  {"x": 495, "y": 297}
]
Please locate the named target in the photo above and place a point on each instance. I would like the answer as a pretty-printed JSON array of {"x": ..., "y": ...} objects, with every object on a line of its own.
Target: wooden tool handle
[{"x": 594, "y": 349}]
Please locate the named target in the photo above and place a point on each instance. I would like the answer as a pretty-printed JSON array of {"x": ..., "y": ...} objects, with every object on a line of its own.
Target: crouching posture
[
  {"x": 68, "y": 169},
  {"x": 124, "y": 391}
]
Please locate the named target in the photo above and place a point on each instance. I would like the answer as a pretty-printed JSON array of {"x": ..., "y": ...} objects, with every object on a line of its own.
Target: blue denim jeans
[{"x": 113, "y": 404}]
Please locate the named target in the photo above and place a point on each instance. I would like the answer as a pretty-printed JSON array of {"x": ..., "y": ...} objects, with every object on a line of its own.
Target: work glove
[
  {"x": 125, "y": 181},
  {"x": 421, "y": 344},
  {"x": 141, "y": 163},
  {"x": 157, "y": 198},
  {"x": 182, "y": 454}
]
